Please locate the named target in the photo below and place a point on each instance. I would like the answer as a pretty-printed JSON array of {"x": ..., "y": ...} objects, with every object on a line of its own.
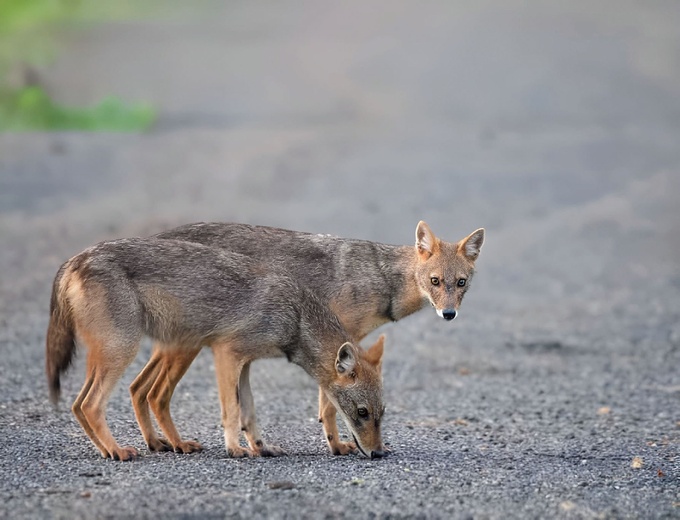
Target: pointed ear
[
  {"x": 426, "y": 242},
  {"x": 472, "y": 244},
  {"x": 346, "y": 359},
  {"x": 374, "y": 354}
]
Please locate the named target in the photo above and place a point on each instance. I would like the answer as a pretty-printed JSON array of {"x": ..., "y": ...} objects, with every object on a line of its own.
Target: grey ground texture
[{"x": 554, "y": 394}]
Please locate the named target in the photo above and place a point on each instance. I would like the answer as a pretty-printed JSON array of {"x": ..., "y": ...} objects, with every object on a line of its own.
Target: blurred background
[
  {"x": 549, "y": 123},
  {"x": 554, "y": 125}
]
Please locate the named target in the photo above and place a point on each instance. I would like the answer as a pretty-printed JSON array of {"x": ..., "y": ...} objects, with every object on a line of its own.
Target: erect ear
[
  {"x": 375, "y": 352},
  {"x": 426, "y": 242},
  {"x": 472, "y": 244},
  {"x": 346, "y": 360}
]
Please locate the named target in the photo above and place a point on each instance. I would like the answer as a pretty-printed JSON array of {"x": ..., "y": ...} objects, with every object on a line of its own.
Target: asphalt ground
[{"x": 554, "y": 394}]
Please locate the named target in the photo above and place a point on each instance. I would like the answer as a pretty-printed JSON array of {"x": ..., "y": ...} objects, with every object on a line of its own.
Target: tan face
[
  {"x": 444, "y": 279},
  {"x": 357, "y": 395},
  {"x": 444, "y": 270}
]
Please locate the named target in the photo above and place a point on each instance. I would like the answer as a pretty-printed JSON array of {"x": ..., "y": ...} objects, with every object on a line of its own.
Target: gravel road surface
[{"x": 556, "y": 126}]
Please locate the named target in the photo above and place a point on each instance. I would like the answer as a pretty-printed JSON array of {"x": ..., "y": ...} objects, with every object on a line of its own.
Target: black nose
[
  {"x": 449, "y": 314},
  {"x": 379, "y": 454}
]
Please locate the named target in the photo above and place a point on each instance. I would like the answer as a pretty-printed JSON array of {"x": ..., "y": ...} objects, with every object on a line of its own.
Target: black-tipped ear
[
  {"x": 346, "y": 359},
  {"x": 472, "y": 244},
  {"x": 426, "y": 242}
]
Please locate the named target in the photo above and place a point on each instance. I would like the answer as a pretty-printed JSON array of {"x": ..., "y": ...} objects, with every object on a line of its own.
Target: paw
[
  {"x": 188, "y": 447},
  {"x": 343, "y": 448},
  {"x": 268, "y": 450},
  {"x": 124, "y": 453},
  {"x": 237, "y": 452},
  {"x": 159, "y": 444}
]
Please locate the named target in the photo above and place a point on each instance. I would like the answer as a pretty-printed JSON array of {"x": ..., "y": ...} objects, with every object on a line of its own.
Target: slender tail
[{"x": 60, "y": 343}]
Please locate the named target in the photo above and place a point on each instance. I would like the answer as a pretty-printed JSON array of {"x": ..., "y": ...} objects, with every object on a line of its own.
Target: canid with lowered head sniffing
[{"x": 185, "y": 296}]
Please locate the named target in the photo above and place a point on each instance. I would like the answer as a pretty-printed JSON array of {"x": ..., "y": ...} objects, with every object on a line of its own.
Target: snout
[
  {"x": 447, "y": 314},
  {"x": 377, "y": 454},
  {"x": 373, "y": 454}
]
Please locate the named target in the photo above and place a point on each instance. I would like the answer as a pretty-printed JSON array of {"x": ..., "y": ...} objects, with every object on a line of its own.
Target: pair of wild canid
[{"x": 247, "y": 292}]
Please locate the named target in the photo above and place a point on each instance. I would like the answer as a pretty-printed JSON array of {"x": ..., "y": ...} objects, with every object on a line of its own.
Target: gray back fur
[
  {"x": 183, "y": 292},
  {"x": 327, "y": 265}
]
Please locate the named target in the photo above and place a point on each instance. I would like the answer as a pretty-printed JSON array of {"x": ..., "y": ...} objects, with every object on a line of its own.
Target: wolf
[
  {"x": 366, "y": 284},
  {"x": 186, "y": 296}
]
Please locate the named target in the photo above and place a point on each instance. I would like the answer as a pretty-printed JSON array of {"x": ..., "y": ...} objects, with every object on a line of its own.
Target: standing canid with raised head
[
  {"x": 366, "y": 284},
  {"x": 185, "y": 296}
]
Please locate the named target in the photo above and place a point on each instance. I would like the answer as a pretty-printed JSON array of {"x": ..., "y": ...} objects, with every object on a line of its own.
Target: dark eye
[
  {"x": 434, "y": 280},
  {"x": 362, "y": 412},
  {"x": 461, "y": 282}
]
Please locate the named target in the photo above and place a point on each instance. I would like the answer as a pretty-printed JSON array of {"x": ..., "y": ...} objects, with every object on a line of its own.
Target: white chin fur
[{"x": 440, "y": 313}]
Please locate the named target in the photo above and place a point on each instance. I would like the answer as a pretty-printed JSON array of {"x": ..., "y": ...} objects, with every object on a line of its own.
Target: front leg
[
  {"x": 327, "y": 416},
  {"x": 249, "y": 421},
  {"x": 228, "y": 369}
]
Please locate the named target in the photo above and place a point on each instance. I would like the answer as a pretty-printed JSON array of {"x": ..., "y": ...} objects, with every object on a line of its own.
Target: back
[
  {"x": 368, "y": 274},
  {"x": 183, "y": 290}
]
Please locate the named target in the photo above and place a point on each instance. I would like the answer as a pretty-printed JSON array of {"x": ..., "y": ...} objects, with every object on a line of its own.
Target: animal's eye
[
  {"x": 362, "y": 412},
  {"x": 461, "y": 282},
  {"x": 434, "y": 280}
]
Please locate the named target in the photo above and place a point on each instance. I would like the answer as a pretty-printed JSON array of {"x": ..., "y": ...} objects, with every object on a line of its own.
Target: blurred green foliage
[
  {"x": 29, "y": 32},
  {"x": 30, "y": 108}
]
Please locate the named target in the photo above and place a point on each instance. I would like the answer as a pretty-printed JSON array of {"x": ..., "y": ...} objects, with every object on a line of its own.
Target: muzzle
[{"x": 447, "y": 314}]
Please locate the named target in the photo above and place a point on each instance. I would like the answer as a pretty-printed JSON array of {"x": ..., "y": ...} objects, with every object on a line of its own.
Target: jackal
[
  {"x": 185, "y": 296},
  {"x": 366, "y": 284}
]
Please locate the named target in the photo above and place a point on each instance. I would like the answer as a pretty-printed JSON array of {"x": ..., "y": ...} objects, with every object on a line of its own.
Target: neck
[
  {"x": 406, "y": 297},
  {"x": 320, "y": 337},
  {"x": 318, "y": 358}
]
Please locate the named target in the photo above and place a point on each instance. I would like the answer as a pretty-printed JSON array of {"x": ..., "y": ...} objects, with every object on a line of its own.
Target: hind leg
[
  {"x": 89, "y": 378},
  {"x": 176, "y": 361},
  {"x": 139, "y": 391},
  {"x": 249, "y": 421},
  {"x": 106, "y": 364}
]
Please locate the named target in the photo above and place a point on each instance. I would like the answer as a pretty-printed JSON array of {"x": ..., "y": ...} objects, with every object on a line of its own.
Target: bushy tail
[{"x": 60, "y": 344}]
